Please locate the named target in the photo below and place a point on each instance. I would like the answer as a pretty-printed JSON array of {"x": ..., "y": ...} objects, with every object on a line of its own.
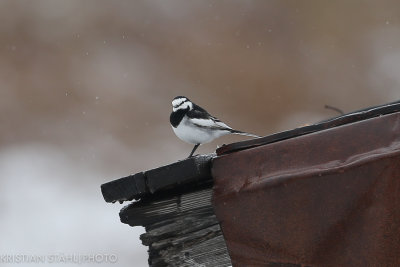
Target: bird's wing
[
  {"x": 210, "y": 124},
  {"x": 220, "y": 123},
  {"x": 200, "y": 117},
  {"x": 198, "y": 112}
]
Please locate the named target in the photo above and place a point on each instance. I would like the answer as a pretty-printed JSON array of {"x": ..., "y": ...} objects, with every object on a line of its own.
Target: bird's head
[{"x": 181, "y": 102}]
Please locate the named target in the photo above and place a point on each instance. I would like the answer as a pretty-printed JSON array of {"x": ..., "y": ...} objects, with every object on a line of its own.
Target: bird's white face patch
[
  {"x": 177, "y": 102},
  {"x": 181, "y": 103}
]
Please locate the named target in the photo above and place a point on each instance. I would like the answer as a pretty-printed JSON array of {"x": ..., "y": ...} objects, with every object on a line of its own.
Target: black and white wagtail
[{"x": 195, "y": 125}]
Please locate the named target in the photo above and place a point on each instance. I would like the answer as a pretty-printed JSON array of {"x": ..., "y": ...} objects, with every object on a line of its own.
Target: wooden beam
[{"x": 172, "y": 176}]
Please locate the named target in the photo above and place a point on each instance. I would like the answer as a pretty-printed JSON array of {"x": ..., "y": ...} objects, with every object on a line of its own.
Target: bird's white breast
[{"x": 193, "y": 134}]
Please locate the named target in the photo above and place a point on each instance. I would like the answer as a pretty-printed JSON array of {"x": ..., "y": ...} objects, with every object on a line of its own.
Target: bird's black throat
[{"x": 176, "y": 116}]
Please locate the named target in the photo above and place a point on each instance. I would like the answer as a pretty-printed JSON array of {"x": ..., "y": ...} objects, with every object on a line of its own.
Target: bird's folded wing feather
[
  {"x": 202, "y": 118},
  {"x": 211, "y": 123}
]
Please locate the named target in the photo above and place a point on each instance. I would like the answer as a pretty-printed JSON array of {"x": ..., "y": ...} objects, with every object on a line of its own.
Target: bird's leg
[{"x": 194, "y": 149}]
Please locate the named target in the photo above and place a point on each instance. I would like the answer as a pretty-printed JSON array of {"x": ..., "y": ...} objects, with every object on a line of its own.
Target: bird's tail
[{"x": 244, "y": 133}]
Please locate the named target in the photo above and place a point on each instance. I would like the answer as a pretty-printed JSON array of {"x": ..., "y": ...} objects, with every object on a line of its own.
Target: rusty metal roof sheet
[{"x": 327, "y": 198}]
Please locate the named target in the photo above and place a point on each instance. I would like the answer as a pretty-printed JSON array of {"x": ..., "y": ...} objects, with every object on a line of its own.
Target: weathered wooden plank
[
  {"x": 160, "y": 210},
  {"x": 181, "y": 230},
  {"x": 182, "y": 172},
  {"x": 203, "y": 248},
  {"x": 177, "y": 228},
  {"x": 172, "y": 176},
  {"x": 126, "y": 188}
]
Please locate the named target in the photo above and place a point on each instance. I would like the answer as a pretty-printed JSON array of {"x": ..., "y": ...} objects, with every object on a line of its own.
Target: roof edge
[
  {"x": 136, "y": 186},
  {"x": 352, "y": 117}
]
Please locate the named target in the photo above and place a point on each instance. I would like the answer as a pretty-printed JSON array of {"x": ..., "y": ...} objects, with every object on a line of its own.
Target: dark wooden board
[{"x": 136, "y": 186}]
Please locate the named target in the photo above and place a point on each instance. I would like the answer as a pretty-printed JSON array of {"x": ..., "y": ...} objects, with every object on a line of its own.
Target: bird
[{"x": 194, "y": 125}]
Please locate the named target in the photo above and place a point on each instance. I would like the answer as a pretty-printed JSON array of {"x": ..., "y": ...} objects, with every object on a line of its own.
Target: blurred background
[{"x": 86, "y": 90}]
